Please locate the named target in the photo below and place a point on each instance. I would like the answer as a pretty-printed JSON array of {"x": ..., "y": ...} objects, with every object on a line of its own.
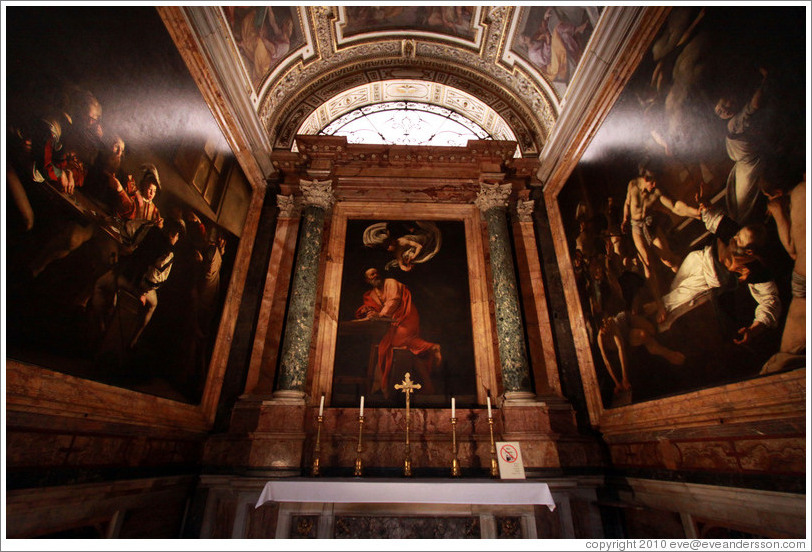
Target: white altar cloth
[{"x": 419, "y": 491}]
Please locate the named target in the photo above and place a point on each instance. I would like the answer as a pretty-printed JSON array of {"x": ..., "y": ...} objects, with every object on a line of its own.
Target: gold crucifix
[{"x": 408, "y": 387}]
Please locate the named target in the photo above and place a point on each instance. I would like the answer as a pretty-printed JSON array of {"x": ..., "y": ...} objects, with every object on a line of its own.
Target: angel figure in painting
[{"x": 410, "y": 242}]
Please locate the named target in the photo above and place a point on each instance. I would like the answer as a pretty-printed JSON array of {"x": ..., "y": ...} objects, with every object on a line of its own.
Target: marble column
[
  {"x": 317, "y": 198},
  {"x": 492, "y": 200}
]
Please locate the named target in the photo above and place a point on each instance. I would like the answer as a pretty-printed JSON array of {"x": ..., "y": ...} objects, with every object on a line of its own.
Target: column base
[
  {"x": 287, "y": 396},
  {"x": 521, "y": 398}
]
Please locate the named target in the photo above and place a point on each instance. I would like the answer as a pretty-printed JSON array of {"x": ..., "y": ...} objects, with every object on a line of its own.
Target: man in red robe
[{"x": 391, "y": 300}]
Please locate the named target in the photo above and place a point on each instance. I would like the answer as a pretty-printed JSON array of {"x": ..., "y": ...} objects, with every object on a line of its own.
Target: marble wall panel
[
  {"x": 281, "y": 418},
  {"x": 369, "y": 527},
  {"x": 261, "y": 522}
]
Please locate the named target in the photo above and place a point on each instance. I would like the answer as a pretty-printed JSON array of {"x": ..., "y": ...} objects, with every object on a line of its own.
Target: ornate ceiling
[{"x": 279, "y": 70}]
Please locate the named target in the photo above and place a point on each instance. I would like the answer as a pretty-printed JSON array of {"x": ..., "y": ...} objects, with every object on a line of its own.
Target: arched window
[
  {"x": 406, "y": 123},
  {"x": 407, "y": 112}
]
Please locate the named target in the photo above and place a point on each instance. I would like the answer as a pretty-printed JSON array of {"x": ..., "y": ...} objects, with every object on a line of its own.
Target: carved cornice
[
  {"x": 492, "y": 196},
  {"x": 338, "y": 151},
  {"x": 318, "y": 193}
]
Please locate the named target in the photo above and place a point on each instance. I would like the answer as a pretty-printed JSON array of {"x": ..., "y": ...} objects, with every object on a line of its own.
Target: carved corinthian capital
[
  {"x": 524, "y": 210},
  {"x": 492, "y": 196},
  {"x": 288, "y": 206},
  {"x": 318, "y": 193}
]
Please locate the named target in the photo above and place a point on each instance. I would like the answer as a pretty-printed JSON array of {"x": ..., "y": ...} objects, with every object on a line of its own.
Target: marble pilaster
[
  {"x": 540, "y": 344},
  {"x": 492, "y": 200},
  {"x": 317, "y": 198},
  {"x": 270, "y": 323}
]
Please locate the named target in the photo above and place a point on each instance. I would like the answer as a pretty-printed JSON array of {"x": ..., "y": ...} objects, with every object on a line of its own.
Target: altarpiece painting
[{"x": 405, "y": 307}]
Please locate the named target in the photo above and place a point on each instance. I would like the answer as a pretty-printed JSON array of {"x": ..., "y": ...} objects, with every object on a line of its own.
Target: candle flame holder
[
  {"x": 494, "y": 463},
  {"x": 314, "y": 470},
  {"x": 359, "y": 468},
  {"x": 455, "y": 462}
]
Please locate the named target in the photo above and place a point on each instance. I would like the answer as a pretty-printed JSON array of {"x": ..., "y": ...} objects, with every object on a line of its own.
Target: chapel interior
[{"x": 477, "y": 160}]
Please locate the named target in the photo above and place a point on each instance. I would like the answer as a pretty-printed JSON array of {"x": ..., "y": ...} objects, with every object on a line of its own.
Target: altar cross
[{"x": 407, "y": 385}]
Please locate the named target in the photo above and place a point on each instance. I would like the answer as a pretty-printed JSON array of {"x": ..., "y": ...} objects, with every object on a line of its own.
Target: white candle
[
  {"x": 362, "y": 406},
  {"x": 490, "y": 414},
  {"x": 321, "y": 406},
  {"x": 453, "y": 404}
]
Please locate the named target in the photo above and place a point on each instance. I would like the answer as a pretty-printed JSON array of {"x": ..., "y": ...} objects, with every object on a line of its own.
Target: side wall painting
[
  {"x": 405, "y": 307},
  {"x": 681, "y": 213},
  {"x": 120, "y": 183}
]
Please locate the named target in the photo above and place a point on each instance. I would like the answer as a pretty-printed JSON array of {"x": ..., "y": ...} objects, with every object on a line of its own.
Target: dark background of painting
[
  {"x": 440, "y": 291},
  {"x": 124, "y": 55},
  {"x": 734, "y": 43}
]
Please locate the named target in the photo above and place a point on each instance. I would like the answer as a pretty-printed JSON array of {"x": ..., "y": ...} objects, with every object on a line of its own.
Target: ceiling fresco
[
  {"x": 516, "y": 60},
  {"x": 265, "y": 37},
  {"x": 551, "y": 41},
  {"x": 455, "y": 21}
]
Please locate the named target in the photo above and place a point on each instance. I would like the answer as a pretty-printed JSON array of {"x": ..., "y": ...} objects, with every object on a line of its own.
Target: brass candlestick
[
  {"x": 407, "y": 386},
  {"x": 358, "y": 464},
  {"x": 314, "y": 471},
  {"x": 494, "y": 464},
  {"x": 455, "y": 462}
]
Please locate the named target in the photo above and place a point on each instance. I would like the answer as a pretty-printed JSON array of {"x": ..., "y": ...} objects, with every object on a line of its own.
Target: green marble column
[
  {"x": 317, "y": 198},
  {"x": 492, "y": 200}
]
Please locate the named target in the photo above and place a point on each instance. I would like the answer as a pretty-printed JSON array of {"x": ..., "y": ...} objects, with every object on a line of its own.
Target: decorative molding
[
  {"x": 496, "y": 31},
  {"x": 492, "y": 196},
  {"x": 522, "y": 88},
  {"x": 318, "y": 193}
]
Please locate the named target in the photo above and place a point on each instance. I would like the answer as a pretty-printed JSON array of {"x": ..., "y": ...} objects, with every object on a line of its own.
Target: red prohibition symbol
[{"x": 509, "y": 453}]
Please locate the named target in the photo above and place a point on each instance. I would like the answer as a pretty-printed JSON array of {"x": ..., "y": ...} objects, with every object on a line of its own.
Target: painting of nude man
[{"x": 678, "y": 214}]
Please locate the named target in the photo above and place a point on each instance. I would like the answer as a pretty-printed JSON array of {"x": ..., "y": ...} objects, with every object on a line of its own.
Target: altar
[
  {"x": 398, "y": 508},
  {"x": 420, "y": 491}
]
